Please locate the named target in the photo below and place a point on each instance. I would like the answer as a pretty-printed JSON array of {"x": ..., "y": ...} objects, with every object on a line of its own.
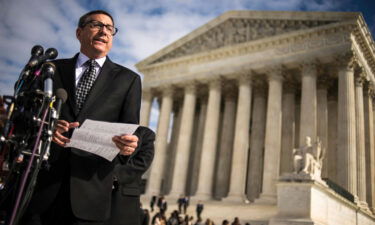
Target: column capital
[
  {"x": 190, "y": 87},
  {"x": 244, "y": 77},
  {"x": 359, "y": 80},
  {"x": 359, "y": 76},
  {"x": 167, "y": 90},
  {"x": 215, "y": 83},
  {"x": 368, "y": 88},
  {"x": 275, "y": 72},
  {"x": 347, "y": 60},
  {"x": 307, "y": 67}
]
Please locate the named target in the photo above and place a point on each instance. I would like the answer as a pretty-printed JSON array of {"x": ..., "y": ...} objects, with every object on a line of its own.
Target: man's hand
[
  {"x": 62, "y": 126},
  {"x": 126, "y": 143}
]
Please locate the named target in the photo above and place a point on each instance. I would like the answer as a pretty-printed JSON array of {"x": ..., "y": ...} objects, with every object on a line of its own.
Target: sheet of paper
[{"x": 96, "y": 137}]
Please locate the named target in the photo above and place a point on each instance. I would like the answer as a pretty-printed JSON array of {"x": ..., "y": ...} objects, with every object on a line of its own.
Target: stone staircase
[{"x": 253, "y": 213}]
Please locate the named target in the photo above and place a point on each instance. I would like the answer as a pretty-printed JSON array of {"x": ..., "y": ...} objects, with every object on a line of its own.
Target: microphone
[
  {"x": 36, "y": 51},
  {"x": 61, "y": 97},
  {"x": 48, "y": 70},
  {"x": 50, "y": 53}
]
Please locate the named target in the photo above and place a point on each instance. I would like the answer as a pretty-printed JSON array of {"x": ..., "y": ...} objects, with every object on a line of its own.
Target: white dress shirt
[{"x": 80, "y": 67}]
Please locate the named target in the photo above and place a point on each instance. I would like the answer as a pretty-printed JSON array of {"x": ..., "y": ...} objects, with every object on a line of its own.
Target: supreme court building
[{"x": 239, "y": 94}]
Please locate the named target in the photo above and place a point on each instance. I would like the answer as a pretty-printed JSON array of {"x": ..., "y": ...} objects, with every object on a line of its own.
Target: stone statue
[{"x": 308, "y": 159}]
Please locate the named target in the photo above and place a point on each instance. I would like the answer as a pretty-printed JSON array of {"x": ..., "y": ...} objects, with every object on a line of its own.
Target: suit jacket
[
  {"x": 125, "y": 200},
  {"x": 114, "y": 97}
]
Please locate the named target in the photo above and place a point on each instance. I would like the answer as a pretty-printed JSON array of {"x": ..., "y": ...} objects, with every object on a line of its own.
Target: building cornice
[
  {"x": 278, "y": 42},
  {"x": 262, "y": 15},
  {"x": 365, "y": 41}
]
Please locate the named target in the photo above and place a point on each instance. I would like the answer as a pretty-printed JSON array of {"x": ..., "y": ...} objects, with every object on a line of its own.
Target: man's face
[{"x": 95, "y": 43}]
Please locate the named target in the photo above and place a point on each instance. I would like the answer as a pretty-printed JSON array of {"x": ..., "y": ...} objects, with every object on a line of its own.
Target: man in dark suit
[
  {"x": 77, "y": 188},
  {"x": 199, "y": 209},
  {"x": 125, "y": 196},
  {"x": 152, "y": 202}
]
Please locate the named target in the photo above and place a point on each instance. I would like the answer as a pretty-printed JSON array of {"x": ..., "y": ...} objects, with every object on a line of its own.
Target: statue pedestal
[
  {"x": 310, "y": 202},
  {"x": 297, "y": 202},
  {"x": 303, "y": 177}
]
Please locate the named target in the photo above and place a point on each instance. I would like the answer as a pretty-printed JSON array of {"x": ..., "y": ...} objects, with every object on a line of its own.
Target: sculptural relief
[{"x": 236, "y": 31}]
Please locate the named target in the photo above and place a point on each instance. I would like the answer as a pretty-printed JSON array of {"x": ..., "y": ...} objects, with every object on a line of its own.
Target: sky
[{"x": 145, "y": 26}]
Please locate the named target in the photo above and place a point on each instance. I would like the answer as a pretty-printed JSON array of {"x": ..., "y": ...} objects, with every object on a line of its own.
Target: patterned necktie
[{"x": 85, "y": 83}]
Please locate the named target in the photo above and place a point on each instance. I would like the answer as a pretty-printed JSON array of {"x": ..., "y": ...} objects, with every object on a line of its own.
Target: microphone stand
[
  {"x": 25, "y": 190},
  {"x": 27, "y": 133}
]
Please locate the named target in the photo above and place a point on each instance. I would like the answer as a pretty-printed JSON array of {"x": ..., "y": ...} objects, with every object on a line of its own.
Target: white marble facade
[{"x": 246, "y": 88}]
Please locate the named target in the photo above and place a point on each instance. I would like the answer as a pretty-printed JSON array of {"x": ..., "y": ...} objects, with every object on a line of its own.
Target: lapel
[
  {"x": 68, "y": 78},
  {"x": 105, "y": 77}
]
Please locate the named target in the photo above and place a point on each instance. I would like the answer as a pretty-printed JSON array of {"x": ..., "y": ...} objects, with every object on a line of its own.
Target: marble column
[
  {"x": 373, "y": 160},
  {"x": 237, "y": 183},
  {"x": 170, "y": 156},
  {"x": 331, "y": 150},
  {"x": 297, "y": 119},
  {"x": 273, "y": 137},
  {"x": 361, "y": 161},
  {"x": 146, "y": 107},
  {"x": 156, "y": 175},
  {"x": 258, "y": 127},
  {"x": 207, "y": 164},
  {"x": 288, "y": 127},
  {"x": 197, "y": 148},
  {"x": 184, "y": 142},
  {"x": 346, "y": 157},
  {"x": 369, "y": 144},
  {"x": 308, "y": 122},
  {"x": 322, "y": 115},
  {"x": 226, "y": 145}
]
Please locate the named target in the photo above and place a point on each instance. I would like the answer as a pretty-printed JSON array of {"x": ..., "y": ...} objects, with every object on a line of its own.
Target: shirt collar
[{"x": 82, "y": 58}]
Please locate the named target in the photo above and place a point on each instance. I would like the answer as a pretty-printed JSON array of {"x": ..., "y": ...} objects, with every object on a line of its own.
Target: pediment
[{"x": 237, "y": 27}]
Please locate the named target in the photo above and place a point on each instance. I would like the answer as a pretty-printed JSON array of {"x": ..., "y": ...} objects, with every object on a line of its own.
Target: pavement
[{"x": 253, "y": 213}]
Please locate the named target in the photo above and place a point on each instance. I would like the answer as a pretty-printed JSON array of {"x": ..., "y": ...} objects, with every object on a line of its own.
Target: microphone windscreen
[
  {"x": 37, "y": 50},
  {"x": 48, "y": 69},
  {"x": 61, "y": 94},
  {"x": 51, "y": 53}
]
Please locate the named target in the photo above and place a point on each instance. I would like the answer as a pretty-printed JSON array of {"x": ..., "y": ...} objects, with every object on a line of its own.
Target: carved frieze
[
  {"x": 313, "y": 44},
  {"x": 235, "y": 31}
]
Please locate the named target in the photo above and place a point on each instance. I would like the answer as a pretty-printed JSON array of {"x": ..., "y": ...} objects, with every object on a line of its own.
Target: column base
[
  {"x": 174, "y": 196},
  {"x": 236, "y": 199},
  {"x": 202, "y": 197},
  {"x": 266, "y": 199}
]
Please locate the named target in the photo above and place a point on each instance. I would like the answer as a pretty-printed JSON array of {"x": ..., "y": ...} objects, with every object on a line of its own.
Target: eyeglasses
[{"x": 97, "y": 25}]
